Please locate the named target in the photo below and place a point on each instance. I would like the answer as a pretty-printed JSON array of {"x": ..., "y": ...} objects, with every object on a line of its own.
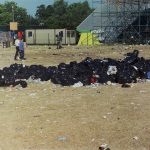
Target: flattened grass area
[{"x": 45, "y": 116}]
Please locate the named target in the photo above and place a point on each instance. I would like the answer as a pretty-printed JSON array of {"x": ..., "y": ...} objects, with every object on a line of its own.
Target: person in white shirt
[{"x": 17, "y": 42}]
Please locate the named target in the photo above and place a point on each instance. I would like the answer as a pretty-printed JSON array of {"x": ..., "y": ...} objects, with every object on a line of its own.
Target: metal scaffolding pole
[{"x": 125, "y": 21}]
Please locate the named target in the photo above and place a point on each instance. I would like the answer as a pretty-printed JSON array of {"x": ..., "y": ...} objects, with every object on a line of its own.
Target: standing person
[
  {"x": 14, "y": 38},
  {"x": 17, "y": 41},
  {"x": 58, "y": 41},
  {"x": 21, "y": 49},
  {"x": 60, "y": 37}
]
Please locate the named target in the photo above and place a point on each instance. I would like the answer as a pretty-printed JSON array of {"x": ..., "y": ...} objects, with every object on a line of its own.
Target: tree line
[{"x": 58, "y": 15}]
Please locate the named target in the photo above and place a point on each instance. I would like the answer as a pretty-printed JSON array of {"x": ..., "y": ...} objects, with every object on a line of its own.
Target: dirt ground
[{"x": 45, "y": 116}]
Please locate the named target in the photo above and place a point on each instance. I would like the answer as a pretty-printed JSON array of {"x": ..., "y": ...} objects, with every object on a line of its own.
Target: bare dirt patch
[{"x": 45, "y": 116}]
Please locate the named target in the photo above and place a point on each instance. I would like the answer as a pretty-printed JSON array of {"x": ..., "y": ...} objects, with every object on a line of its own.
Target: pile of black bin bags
[{"x": 88, "y": 71}]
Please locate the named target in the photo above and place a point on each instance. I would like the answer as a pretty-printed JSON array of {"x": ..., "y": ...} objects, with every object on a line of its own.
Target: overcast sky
[{"x": 31, "y": 5}]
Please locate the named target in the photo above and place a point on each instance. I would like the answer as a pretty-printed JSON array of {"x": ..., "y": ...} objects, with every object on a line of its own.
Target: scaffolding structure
[{"x": 126, "y": 21}]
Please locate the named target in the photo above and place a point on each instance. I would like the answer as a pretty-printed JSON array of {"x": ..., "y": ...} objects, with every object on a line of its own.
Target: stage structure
[{"x": 126, "y": 21}]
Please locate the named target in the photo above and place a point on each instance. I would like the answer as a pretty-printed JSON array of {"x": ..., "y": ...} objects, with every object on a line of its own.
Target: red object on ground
[{"x": 93, "y": 80}]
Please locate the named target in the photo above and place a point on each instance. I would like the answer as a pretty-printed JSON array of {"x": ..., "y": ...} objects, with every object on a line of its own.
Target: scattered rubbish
[
  {"x": 131, "y": 69},
  {"x": 104, "y": 117},
  {"x": 2, "y": 102},
  {"x": 95, "y": 85},
  {"x": 136, "y": 138},
  {"x": 32, "y": 94},
  {"x": 142, "y": 80},
  {"x": 79, "y": 84},
  {"x": 112, "y": 70},
  {"x": 19, "y": 129},
  {"x": 104, "y": 147},
  {"x": 20, "y": 84},
  {"x": 109, "y": 113},
  {"x": 93, "y": 140},
  {"x": 62, "y": 138},
  {"x": 143, "y": 91},
  {"x": 147, "y": 80},
  {"x": 148, "y": 75},
  {"x": 126, "y": 85},
  {"x": 36, "y": 116},
  {"x": 32, "y": 80},
  {"x": 94, "y": 78},
  {"x": 109, "y": 83}
]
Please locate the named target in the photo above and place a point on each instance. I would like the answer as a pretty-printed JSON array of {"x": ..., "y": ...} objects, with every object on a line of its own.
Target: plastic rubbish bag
[{"x": 112, "y": 70}]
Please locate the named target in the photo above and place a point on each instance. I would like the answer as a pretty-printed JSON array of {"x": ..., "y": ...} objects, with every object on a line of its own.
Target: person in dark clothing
[
  {"x": 61, "y": 37},
  {"x": 17, "y": 41},
  {"x": 58, "y": 41}
]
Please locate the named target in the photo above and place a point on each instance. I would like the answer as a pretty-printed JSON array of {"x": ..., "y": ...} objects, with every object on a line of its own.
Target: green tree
[
  {"x": 49, "y": 11},
  {"x": 31, "y": 21},
  {"x": 77, "y": 12},
  {"x": 6, "y": 13},
  {"x": 60, "y": 7},
  {"x": 58, "y": 18},
  {"x": 41, "y": 12},
  {"x": 62, "y": 15}
]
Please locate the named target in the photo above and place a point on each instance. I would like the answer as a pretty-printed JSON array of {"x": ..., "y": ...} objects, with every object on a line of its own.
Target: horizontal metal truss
[{"x": 125, "y": 21}]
